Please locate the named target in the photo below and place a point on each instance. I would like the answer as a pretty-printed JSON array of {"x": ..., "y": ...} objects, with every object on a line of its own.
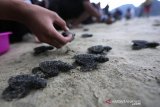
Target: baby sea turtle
[
  {"x": 99, "y": 49},
  {"x": 86, "y": 35},
  {"x": 89, "y": 62},
  {"x": 140, "y": 44},
  {"x": 158, "y": 79},
  {"x": 37, "y": 71},
  {"x": 27, "y": 81},
  {"x": 66, "y": 33},
  {"x": 11, "y": 93},
  {"x": 42, "y": 49},
  {"x": 21, "y": 85},
  {"x": 53, "y": 68},
  {"x": 85, "y": 29}
]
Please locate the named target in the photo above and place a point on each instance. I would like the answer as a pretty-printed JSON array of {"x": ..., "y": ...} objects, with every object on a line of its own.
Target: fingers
[
  {"x": 48, "y": 34},
  {"x": 60, "y": 38},
  {"x": 53, "y": 37},
  {"x": 57, "y": 36},
  {"x": 50, "y": 41},
  {"x": 54, "y": 43},
  {"x": 59, "y": 21}
]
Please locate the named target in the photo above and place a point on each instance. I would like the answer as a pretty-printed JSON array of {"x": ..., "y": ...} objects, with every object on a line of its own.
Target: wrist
[{"x": 21, "y": 11}]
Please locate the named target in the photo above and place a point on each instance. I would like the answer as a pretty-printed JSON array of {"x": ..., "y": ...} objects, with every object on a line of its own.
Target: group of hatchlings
[{"x": 21, "y": 85}]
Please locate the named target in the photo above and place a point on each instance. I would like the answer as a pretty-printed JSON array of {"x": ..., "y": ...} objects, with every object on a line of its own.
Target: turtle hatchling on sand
[
  {"x": 21, "y": 85},
  {"x": 140, "y": 44},
  {"x": 67, "y": 33},
  {"x": 99, "y": 49},
  {"x": 37, "y": 71},
  {"x": 53, "y": 68},
  {"x": 89, "y": 62},
  {"x": 42, "y": 49},
  {"x": 86, "y": 35}
]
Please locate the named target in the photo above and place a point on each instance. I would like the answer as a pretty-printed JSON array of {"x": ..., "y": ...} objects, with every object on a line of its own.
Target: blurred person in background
[
  {"x": 128, "y": 14},
  {"x": 76, "y": 11},
  {"x": 147, "y": 7},
  {"x": 117, "y": 14}
]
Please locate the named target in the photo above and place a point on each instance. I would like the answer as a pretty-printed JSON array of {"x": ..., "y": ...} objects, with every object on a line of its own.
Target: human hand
[{"x": 40, "y": 21}]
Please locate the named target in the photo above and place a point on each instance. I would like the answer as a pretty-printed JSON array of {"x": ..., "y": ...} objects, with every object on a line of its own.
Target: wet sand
[{"x": 128, "y": 75}]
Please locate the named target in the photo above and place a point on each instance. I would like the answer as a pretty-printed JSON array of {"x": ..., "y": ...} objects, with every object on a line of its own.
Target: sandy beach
[{"x": 126, "y": 80}]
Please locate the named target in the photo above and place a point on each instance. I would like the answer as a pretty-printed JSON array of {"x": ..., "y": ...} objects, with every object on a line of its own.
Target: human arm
[
  {"x": 100, "y": 17},
  {"x": 37, "y": 19},
  {"x": 91, "y": 9}
]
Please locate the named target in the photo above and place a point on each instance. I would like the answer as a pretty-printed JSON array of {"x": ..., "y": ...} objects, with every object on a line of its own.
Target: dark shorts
[{"x": 67, "y": 9}]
